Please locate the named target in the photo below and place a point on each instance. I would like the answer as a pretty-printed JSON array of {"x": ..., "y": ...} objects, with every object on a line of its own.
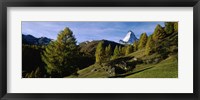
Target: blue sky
[{"x": 87, "y": 31}]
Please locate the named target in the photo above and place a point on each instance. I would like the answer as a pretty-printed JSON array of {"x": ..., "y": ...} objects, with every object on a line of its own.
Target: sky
[{"x": 88, "y": 31}]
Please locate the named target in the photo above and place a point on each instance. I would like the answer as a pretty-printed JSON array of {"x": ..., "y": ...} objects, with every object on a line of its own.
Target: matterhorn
[{"x": 130, "y": 38}]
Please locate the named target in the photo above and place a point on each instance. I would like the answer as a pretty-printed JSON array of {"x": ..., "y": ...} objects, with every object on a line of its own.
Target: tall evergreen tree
[
  {"x": 60, "y": 55},
  {"x": 135, "y": 46},
  {"x": 158, "y": 33},
  {"x": 149, "y": 46},
  {"x": 169, "y": 27},
  {"x": 116, "y": 52},
  {"x": 129, "y": 49},
  {"x": 123, "y": 51},
  {"x": 142, "y": 41},
  {"x": 108, "y": 52},
  {"x": 99, "y": 54},
  {"x": 120, "y": 50}
]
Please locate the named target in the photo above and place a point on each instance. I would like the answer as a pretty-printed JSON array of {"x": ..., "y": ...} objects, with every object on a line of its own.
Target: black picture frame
[{"x": 98, "y": 3}]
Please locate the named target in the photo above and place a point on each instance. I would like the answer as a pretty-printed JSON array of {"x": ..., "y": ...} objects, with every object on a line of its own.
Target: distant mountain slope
[
  {"x": 90, "y": 47},
  {"x": 129, "y": 38},
  {"x": 31, "y": 40}
]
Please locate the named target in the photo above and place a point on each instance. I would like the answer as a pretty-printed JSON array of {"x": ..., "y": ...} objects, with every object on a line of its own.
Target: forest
[{"x": 151, "y": 56}]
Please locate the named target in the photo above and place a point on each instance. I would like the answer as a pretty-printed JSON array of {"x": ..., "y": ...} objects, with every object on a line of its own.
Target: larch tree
[
  {"x": 129, "y": 49},
  {"x": 116, "y": 52},
  {"x": 149, "y": 46},
  {"x": 99, "y": 54},
  {"x": 123, "y": 52},
  {"x": 60, "y": 55},
  {"x": 135, "y": 46},
  {"x": 142, "y": 41},
  {"x": 108, "y": 52},
  {"x": 169, "y": 27},
  {"x": 120, "y": 50},
  {"x": 158, "y": 33}
]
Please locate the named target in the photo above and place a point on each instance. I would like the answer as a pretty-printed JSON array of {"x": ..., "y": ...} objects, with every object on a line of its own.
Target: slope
[{"x": 167, "y": 68}]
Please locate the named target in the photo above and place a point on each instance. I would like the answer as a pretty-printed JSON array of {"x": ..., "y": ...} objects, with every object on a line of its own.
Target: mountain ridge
[
  {"x": 90, "y": 46},
  {"x": 31, "y": 40}
]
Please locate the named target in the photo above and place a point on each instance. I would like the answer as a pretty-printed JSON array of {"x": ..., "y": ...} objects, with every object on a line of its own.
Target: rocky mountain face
[
  {"x": 31, "y": 40},
  {"x": 129, "y": 38}
]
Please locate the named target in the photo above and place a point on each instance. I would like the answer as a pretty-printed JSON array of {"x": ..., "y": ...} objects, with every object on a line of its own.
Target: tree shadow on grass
[{"x": 124, "y": 75}]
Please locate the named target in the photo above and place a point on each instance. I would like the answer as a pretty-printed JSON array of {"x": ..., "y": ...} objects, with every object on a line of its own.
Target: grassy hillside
[{"x": 167, "y": 68}]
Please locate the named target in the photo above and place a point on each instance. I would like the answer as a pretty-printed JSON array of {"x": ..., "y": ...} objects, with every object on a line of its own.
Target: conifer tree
[
  {"x": 129, "y": 49},
  {"x": 116, "y": 52},
  {"x": 169, "y": 27},
  {"x": 123, "y": 51},
  {"x": 135, "y": 46},
  {"x": 142, "y": 41},
  {"x": 149, "y": 46},
  {"x": 120, "y": 50},
  {"x": 99, "y": 54},
  {"x": 60, "y": 55},
  {"x": 108, "y": 52},
  {"x": 158, "y": 33}
]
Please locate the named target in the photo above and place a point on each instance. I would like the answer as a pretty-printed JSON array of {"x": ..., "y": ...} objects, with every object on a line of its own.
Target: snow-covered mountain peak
[{"x": 129, "y": 38}]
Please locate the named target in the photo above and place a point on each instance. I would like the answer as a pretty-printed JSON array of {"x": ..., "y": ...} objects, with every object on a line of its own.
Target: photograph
[{"x": 99, "y": 49}]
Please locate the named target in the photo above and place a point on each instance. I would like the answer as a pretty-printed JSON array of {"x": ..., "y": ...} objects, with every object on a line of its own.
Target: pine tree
[
  {"x": 135, "y": 46},
  {"x": 158, "y": 33},
  {"x": 108, "y": 52},
  {"x": 142, "y": 41},
  {"x": 149, "y": 46},
  {"x": 99, "y": 54},
  {"x": 169, "y": 27},
  {"x": 129, "y": 49},
  {"x": 116, "y": 52},
  {"x": 123, "y": 51},
  {"x": 120, "y": 51},
  {"x": 60, "y": 55}
]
